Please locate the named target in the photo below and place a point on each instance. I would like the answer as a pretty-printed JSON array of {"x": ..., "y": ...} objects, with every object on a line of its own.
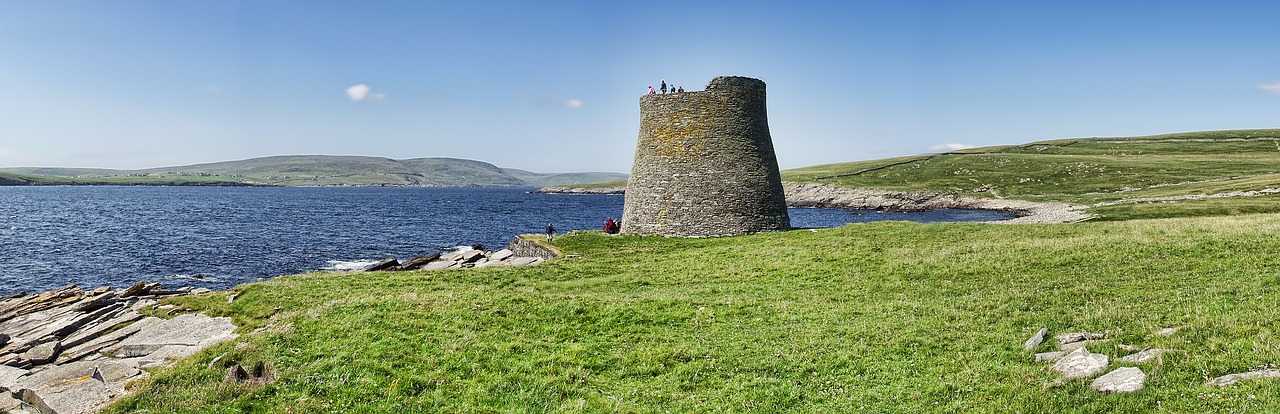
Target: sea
[{"x": 219, "y": 237}]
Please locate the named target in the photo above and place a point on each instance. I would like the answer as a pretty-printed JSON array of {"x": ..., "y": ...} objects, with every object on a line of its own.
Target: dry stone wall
[{"x": 704, "y": 164}]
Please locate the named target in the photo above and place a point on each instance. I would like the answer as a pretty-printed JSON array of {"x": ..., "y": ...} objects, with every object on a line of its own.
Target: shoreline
[{"x": 825, "y": 196}]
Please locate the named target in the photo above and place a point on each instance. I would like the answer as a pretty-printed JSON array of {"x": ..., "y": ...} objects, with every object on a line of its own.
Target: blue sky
[{"x": 555, "y": 87}]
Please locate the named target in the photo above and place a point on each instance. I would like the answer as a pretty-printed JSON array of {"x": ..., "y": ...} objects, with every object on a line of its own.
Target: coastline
[{"x": 825, "y": 196}]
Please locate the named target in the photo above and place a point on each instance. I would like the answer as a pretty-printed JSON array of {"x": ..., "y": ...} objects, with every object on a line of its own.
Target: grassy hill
[
  {"x": 1186, "y": 174},
  {"x": 887, "y": 317},
  {"x": 305, "y": 170}
]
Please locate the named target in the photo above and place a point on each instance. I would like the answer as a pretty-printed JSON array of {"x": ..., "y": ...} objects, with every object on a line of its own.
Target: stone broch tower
[{"x": 704, "y": 164}]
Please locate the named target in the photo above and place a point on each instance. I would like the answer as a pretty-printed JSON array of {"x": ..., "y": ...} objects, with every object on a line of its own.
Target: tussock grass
[{"x": 877, "y": 317}]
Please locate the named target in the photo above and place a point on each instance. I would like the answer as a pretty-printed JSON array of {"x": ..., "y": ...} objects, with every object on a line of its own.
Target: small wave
[
  {"x": 460, "y": 249},
  {"x": 196, "y": 276},
  {"x": 343, "y": 265}
]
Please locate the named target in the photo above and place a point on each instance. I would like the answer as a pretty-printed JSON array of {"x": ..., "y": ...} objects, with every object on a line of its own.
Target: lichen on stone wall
[{"x": 705, "y": 164}]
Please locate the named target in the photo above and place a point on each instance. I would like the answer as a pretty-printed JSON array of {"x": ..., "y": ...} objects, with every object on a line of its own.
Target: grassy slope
[
  {"x": 1087, "y": 171},
  {"x": 881, "y": 317}
]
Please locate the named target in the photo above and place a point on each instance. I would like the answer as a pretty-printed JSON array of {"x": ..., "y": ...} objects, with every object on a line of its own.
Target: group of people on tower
[{"x": 663, "y": 88}]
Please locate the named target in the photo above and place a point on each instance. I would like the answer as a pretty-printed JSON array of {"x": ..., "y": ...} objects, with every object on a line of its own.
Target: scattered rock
[
  {"x": 1129, "y": 348},
  {"x": 470, "y": 256},
  {"x": 1167, "y": 331},
  {"x": 1068, "y": 347},
  {"x": 1232, "y": 379},
  {"x": 1050, "y": 356},
  {"x": 1071, "y": 337},
  {"x": 1035, "y": 340},
  {"x": 1143, "y": 356},
  {"x": 1081, "y": 364},
  {"x": 43, "y": 353},
  {"x": 500, "y": 255},
  {"x": 1127, "y": 379},
  {"x": 440, "y": 265},
  {"x": 419, "y": 261},
  {"x": 385, "y": 264}
]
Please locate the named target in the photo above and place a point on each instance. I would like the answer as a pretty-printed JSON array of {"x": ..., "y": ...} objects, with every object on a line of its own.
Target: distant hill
[
  {"x": 1171, "y": 175},
  {"x": 308, "y": 170}
]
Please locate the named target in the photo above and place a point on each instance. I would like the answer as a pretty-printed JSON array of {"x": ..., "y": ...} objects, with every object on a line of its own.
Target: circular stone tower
[{"x": 704, "y": 164}]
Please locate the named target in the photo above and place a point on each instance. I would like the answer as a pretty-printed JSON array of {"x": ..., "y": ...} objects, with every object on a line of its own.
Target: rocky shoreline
[
  {"x": 825, "y": 196},
  {"x": 72, "y": 351}
]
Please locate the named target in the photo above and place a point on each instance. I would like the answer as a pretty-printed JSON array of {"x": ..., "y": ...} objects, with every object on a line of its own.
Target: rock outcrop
[
  {"x": 461, "y": 260},
  {"x": 72, "y": 351}
]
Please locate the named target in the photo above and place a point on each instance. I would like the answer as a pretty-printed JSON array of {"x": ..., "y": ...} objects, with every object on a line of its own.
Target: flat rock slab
[
  {"x": 1127, "y": 379},
  {"x": 78, "y": 387},
  {"x": 192, "y": 329},
  {"x": 1232, "y": 379},
  {"x": 9, "y": 376},
  {"x": 43, "y": 353},
  {"x": 1072, "y": 346},
  {"x": 440, "y": 265},
  {"x": 526, "y": 261},
  {"x": 1070, "y": 337},
  {"x": 1035, "y": 340},
  {"x": 1050, "y": 356},
  {"x": 1081, "y": 364},
  {"x": 1143, "y": 356}
]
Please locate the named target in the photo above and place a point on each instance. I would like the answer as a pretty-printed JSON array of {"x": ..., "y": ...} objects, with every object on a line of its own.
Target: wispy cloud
[
  {"x": 558, "y": 102},
  {"x": 950, "y": 147},
  {"x": 362, "y": 92},
  {"x": 1272, "y": 88}
]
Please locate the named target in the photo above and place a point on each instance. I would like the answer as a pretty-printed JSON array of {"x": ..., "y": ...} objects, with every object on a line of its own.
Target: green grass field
[
  {"x": 882, "y": 317},
  {"x": 889, "y": 317}
]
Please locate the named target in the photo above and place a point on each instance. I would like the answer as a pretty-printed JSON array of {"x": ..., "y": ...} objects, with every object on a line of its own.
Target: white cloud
[
  {"x": 950, "y": 147},
  {"x": 1272, "y": 88},
  {"x": 361, "y": 92},
  {"x": 560, "y": 102}
]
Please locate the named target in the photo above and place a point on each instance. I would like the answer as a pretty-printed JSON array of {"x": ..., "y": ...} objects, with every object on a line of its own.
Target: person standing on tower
[{"x": 664, "y": 87}]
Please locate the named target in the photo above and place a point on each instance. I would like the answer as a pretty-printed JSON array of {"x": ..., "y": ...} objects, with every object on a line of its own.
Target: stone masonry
[{"x": 705, "y": 165}]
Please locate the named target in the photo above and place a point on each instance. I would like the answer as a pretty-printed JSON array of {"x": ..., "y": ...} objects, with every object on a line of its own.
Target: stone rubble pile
[
  {"x": 1073, "y": 360},
  {"x": 474, "y": 258},
  {"x": 72, "y": 351}
]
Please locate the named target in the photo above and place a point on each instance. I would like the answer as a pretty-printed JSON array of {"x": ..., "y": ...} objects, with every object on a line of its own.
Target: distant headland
[{"x": 308, "y": 170}]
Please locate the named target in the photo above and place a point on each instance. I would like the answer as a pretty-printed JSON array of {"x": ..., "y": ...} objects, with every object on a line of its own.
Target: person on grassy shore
[{"x": 551, "y": 232}]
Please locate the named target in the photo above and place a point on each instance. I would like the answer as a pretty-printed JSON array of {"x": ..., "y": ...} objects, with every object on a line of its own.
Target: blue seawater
[{"x": 218, "y": 237}]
